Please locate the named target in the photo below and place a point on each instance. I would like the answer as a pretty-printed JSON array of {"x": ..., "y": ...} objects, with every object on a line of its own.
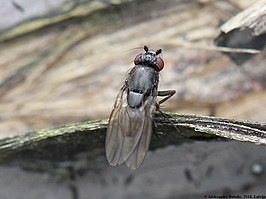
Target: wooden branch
[
  {"x": 244, "y": 131},
  {"x": 67, "y": 142}
]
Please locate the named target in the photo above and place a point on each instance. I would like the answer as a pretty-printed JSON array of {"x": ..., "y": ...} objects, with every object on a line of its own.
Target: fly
[{"x": 130, "y": 123}]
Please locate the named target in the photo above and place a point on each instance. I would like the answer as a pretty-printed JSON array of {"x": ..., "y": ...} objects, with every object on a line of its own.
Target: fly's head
[{"x": 150, "y": 58}]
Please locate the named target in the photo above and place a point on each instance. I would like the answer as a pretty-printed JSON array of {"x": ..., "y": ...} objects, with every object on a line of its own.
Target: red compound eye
[
  {"x": 160, "y": 63},
  {"x": 138, "y": 59}
]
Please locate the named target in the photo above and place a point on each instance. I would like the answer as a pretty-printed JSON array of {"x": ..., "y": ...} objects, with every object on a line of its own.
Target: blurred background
[{"x": 65, "y": 61}]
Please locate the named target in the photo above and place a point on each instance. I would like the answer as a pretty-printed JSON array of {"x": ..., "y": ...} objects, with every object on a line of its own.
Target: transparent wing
[
  {"x": 140, "y": 150},
  {"x": 129, "y": 132}
]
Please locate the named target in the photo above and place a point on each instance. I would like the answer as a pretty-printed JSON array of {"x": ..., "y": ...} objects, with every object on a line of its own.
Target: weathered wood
[
  {"x": 253, "y": 18},
  {"x": 233, "y": 129},
  {"x": 51, "y": 75},
  {"x": 246, "y": 30},
  {"x": 46, "y": 148},
  {"x": 59, "y": 12}
]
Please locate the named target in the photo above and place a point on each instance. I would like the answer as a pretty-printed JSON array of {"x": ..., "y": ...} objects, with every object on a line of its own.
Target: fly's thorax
[{"x": 142, "y": 82}]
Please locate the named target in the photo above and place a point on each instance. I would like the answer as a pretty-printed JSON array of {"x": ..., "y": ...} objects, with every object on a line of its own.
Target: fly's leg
[
  {"x": 158, "y": 134},
  {"x": 167, "y": 94}
]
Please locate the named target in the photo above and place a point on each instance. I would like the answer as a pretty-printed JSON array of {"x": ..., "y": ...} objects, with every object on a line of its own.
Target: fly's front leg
[{"x": 167, "y": 94}]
